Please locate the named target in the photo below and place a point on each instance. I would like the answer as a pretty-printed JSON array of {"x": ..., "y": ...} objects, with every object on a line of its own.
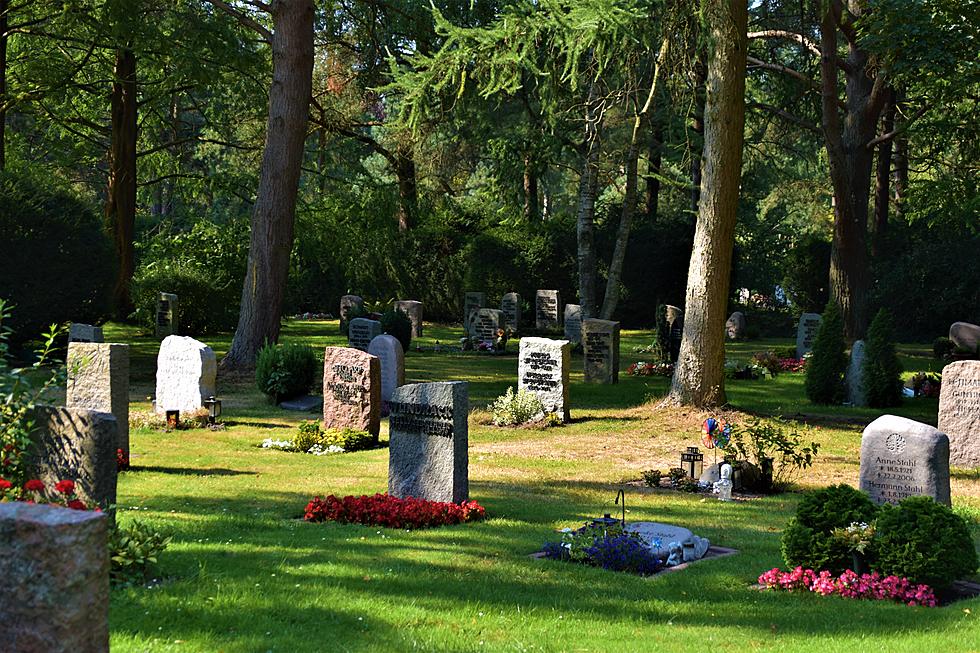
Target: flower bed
[
  {"x": 605, "y": 546},
  {"x": 641, "y": 368},
  {"x": 391, "y": 512},
  {"x": 850, "y": 585},
  {"x": 312, "y": 438},
  {"x": 33, "y": 491}
]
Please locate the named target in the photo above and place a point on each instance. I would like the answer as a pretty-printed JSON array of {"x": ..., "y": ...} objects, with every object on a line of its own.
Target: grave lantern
[
  {"x": 692, "y": 462},
  {"x": 173, "y": 419},
  {"x": 213, "y": 404}
]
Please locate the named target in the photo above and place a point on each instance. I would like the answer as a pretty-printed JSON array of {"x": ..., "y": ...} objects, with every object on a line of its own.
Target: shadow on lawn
[{"x": 190, "y": 471}]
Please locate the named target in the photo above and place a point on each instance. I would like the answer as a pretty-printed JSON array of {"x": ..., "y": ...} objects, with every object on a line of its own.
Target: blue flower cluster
[{"x": 623, "y": 553}]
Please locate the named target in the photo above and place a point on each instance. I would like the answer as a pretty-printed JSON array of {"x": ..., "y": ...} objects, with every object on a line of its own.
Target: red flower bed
[
  {"x": 33, "y": 492},
  {"x": 850, "y": 585},
  {"x": 792, "y": 364},
  {"x": 385, "y": 510}
]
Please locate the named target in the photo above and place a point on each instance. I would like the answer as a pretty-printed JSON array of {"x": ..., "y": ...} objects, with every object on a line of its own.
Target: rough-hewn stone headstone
[
  {"x": 413, "y": 309},
  {"x": 78, "y": 445},
  {"x": 959, "y": 412},
  {"x": 186, "y": 374},
  {"x": 472, "y": 302},
  {"x": 361, "y": 331},
  {"x": 806, "y": 333},
  {"x": 965, "y": 335},
  {"x": 673, "y": 314},
  {"x": 735, "y": 326},
  {"x": 167, "y": 316},
  {"x": 600, "y": 339},
  {"x": 484, "y": 324},
  {"x": 98, "y": 379},
  {"x": 854, "y": 380},
  {"x": 427, "y": 454},
  {"x": 349, "y": 304},
  {"x": 573, "y": 323},
  {"x": 392, "y": 360},
  {"x": 351, "y": 389},
  {"x": 542, "y": 368},
  {"x": 510, "y": 304},
  {"x": 902, "y": 458},
  {"x": 79, "y": 332},
  {"x": 547, "y": 309},
  {"x": 54, "y": 579}
]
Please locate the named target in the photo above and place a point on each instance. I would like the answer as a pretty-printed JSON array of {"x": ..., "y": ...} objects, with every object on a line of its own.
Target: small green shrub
[
  {"x": 515, "y": 408},
  {"x": 395, "y": 323},
  {"x": 133, "y": 550},
  {"x": 943, "y": 348},
  {"x": 312, "y": 435},
  {"x": 779, "y": 441},
  {"x": 825, "y": 372},
  {"x": 285, "y": 371},
  {"x": 924, "y": 541},
  {"x": 882, "y": 369},
  {"x": 652, "y": 477},
  {"x": 808, "y": 539}
]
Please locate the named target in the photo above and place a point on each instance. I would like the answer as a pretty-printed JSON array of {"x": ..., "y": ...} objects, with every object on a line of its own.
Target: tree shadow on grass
[{"x": 190, "y": 471}]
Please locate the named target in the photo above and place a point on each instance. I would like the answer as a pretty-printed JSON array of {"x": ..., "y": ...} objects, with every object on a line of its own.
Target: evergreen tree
[
  {"x": 882, "y": 370},
  {"x": 828, "y": 362}
]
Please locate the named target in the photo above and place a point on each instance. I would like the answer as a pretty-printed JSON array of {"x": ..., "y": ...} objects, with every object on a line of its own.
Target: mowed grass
[{"x": 245, "y": 573}]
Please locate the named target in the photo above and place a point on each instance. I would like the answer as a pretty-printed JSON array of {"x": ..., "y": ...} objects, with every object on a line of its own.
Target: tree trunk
[
  {"x": 585, "y": 219},
  {"x": 699, "y": 376},
  {"x": 882, "y": 176},
  {"x": 901, "y": 166},
  {"x": 4, "y": 22},
  {"x": 120, "y": 208},
  {"x": 530, "y": 189},
  {"x": 274, "y": 213},
  {"x": 408, "y": 194},
  {"x": 697, "y": 126},
  {"x": 654, "y": 163}
]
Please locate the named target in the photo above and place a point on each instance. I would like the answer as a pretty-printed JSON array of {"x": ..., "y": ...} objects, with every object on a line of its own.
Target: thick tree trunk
[
  {"x": 699, "y": 376},
  {"x": 408, "y": 193},
  {"x": 882, "y": 176},
  {"x": 530, "y": 189},
  {"x": 585, "y": 219},
  {"x": 120, "y": 208},
  {"x": 274, "y": 213}
]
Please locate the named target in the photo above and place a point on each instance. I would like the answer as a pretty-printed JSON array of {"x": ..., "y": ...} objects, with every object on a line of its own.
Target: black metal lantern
[
  {"x": 692, "y": 462},
  {"x": 173, "y": 419},
  {"x": 213, "y": 404}
]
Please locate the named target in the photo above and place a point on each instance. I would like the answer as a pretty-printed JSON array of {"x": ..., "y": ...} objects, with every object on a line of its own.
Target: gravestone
[
  {"x": 674, "y": 313},
  {"x": 98, "y": 379},
  {"x": 542, "y": 368},
  {"x": 965, "y": 336},
  {"x": 854, "y": 379},
  {"x": 658, "y": 536},
  {"x": 959, "y": 412},
  {"x": 348, "y": 304},
  {"x": 510, "y": 305},
  {"x": 54, "y": 575},
  {"x": 413, "y": 309},
  {"x": 573, "y": 323},
  {"x": 600, "y": 339},
  {"x": 351, "y": 389},
  {"x": 391, "y": 357},
  {"x": 547, "y": 303},
  {"x": 186, "y": 373},
  {"x": 675, "y": 320},
  {"x": 735, "y": 326},
  {"x": 806, "y": 333},
  {"x": 361, "y": 331},
  {"x": 427, "y": 453},
  {"x": 484, "y": 324},
  {"x": 902, "y": 458},
  {"x": 79, "y": 332},
  {"x": 166, "y": 315},
  {"x": 472, "y": 301},
  {"x": 76, "y": 444}
]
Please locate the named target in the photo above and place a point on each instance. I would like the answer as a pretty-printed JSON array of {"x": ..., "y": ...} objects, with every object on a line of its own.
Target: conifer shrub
[
  {"x": 807, "y": 539},
  {"x": 825, "y": 371},
  {"x": 882, "y": 369},
  {"x": 395, "y": 323}
]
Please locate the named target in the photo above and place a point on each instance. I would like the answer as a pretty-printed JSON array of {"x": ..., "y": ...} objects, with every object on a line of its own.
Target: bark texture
[
  {"x": 699, "y": 377},
  {"x": 882, "y": 176},
  {"x": 585, "y": 218},
  {"x": 274, "y": 213},
  {"x": 120, "y": 207}
]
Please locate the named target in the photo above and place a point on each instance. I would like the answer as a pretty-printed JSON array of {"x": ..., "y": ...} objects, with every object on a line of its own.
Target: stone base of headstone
[
  {"x": 54, "y": 579},
  {"x": 902, "y": 458}
]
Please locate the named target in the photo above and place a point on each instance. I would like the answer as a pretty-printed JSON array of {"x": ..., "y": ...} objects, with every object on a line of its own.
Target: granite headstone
[
  {"x": 167, "y": 317},
  {"x": 959, "y": 412},
  {"x": 98, "y": 379},
  {"x": 543, "y": 368},
  {"x": 902, "y": 458},
  {"x": 392, "y": 360},
  {"x": 966, "y": 336},
  {"x": 600, "y": 339},
  {"x": 413, "y": 309},
  {"x": 547, "y": 304},
  {"x": 573, "y": 323},
  {"x": 806, "y": 333},
  {"x": 79, "y": 332},
  {"x": 186, "y": 373},
  {"x": 349, "y": 304},
  {"x": 472, "y": 302},
  {"x": 361, "y": 331},
  {"x": 735, "y": 326},
  {"x": 510, "y": 304},
  {"x": 854, "y": 380},
  {"x": 351, "y": 389},
  {"x": 484, "y": 324}
]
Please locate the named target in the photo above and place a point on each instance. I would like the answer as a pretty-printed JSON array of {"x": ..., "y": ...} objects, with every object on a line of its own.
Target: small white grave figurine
[
  {"x": 676, "y": 556},
  {"x": 724, "y": 486}
]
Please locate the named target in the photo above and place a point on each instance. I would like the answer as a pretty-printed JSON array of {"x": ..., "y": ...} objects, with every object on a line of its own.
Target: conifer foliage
[
  {"x": 882, "y": 370},
  {"x": 828, "y": 362}
]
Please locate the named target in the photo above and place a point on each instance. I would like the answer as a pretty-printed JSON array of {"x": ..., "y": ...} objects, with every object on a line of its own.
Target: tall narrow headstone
[
  {"x": 392, "y": 359},
  {"x": 806, "y": 333},
  {"x": 54, "y": 576},
  {"x": 510, "y": 304},
  {"x": 167, "y": 317},
  {"x": 351, "y": 389},
  {"x": 959, "y": 412},
  {"x": 361, "y": 331},
  {"x": 98, "y": 379},
  {"x": 573, "y": 323},
  {"x": 79, "y": 332},
  {"x": 600, "y": 339},
  {"x": 472, "y": 302},
  {"x": 186, "y": 375},
  {"x": 902, "y": 458},
  {"x": 547, "y": 304},
  {"x": 542, "y": 368},
  {"x": 349, "y": 304},
  {"x": 854, "y": 380},
  {"x": 675, "y": 323},
  {"x": 78, "y": 445},
  {"x": 484, "y": 324},
  {"x": 413, "y": 309},
  {"x": 427, "y": 454}
]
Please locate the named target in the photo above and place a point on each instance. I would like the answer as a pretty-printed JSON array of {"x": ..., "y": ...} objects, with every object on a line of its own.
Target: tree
[
  {"x": 699, "y": 377},
  {"x": 824, "y": 383},
  {"x": 882, "y": 369}
]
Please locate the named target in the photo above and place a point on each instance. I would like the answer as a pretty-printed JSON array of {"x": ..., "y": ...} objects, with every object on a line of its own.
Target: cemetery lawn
[{"x": 245, "y": 573}]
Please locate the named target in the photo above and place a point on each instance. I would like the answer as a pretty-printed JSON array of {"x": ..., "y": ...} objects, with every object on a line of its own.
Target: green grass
[{"x": 244, "y": 573}]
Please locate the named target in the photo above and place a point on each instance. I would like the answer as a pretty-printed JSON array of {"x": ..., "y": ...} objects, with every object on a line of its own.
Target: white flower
[{"x": 269, "y": 443}]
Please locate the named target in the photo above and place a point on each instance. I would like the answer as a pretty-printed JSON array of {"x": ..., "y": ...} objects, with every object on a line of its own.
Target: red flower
[
  {"x": 5, "y": 484},
  {"x": 34, "y": 485},
  {"x": 76, "y": 504},
  {"x": 65, "y": 487}
]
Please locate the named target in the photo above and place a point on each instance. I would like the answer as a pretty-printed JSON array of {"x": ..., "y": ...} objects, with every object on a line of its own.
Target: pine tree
[
  {"x": 882, "y": 370},
  {"x": 828, "y": 362}
]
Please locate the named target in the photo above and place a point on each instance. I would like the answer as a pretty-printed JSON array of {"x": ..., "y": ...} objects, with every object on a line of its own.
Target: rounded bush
[
  {"x": 925, "y": 542},
  {"x": 285, "y": 371},
  {"x": 395, "y": 323},
  {"x": 806, "y": 541},
  {"x": 202, "y": 305}
]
